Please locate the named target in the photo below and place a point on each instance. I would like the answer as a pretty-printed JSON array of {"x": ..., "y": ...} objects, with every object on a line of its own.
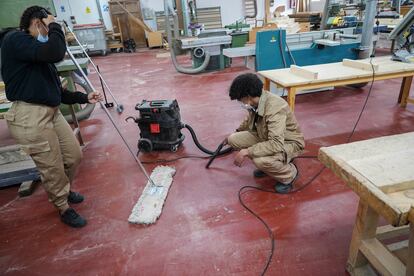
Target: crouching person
[{"x": 269, "y": 136}]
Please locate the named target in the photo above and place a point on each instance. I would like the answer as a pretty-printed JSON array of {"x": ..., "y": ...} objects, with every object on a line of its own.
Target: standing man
[
  {"x": 269, "y": 136},
  {"x": 34, "y": 119}
]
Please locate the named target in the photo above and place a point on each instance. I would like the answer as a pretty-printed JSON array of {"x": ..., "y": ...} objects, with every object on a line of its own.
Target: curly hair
[
  {"x": 29, "y": 14},
  {"x": 245, "y": 85}
]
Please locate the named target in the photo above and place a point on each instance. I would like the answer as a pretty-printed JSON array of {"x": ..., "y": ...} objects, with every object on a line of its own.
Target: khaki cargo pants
[
  {"x": 44, "y": 134},
  {"x": 276, "y": 166}
]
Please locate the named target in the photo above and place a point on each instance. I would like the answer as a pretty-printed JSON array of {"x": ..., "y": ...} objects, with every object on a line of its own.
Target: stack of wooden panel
[{"x": 308, "y": 21}]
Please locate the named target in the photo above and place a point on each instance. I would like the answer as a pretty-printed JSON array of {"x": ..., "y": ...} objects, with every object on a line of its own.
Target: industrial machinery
[
  {"x": 403, "y": 41},
  {"x": 206, "y": 48}
]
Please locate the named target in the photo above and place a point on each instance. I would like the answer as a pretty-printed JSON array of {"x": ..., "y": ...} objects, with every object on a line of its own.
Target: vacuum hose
[{"x": 203, "y": 149}]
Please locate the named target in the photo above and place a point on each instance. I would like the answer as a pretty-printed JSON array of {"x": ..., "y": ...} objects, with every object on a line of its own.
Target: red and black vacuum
[{"x": 160, "y": 127}]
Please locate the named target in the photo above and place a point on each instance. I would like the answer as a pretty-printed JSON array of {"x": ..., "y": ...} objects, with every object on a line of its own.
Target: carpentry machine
[
  {"x": 206, "y": 49},
  {"x": 211, "y": 42},
  {"x": 274, "y": 49},
  {"x": 402, "y": 38}
]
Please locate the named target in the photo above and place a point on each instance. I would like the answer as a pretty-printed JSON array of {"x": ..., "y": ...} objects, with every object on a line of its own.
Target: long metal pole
[
  {"x": 110, "y": 118},
  {"x": 120, "y": 107},
  {"x": 368, "y": 29}
]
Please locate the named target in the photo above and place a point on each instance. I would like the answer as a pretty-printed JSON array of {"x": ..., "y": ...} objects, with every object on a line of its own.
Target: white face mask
[
  {"x": 248, "y": 107},
  {"x": 42, "y": 38}
]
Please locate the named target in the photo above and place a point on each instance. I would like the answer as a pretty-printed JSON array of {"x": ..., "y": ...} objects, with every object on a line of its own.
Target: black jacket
[{"x": 28, "y": 70}]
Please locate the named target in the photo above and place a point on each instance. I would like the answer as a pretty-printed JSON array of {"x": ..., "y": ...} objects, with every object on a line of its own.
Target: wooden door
[{"x": 129, "y": 28}]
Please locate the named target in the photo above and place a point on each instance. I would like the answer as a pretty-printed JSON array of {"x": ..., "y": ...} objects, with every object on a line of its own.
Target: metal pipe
[
  {"x": 178, "y": 67},
  {"x": 119, "y": 107},
  {"x": 110, "y": 118},
  {"x": 367, "y": 29}
]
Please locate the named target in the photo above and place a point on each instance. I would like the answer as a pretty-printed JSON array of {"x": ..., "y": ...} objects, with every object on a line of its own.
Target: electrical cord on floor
[{"x": 271, "y": 235}]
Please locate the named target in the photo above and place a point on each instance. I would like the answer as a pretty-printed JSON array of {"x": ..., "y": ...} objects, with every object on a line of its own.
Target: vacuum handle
[{"x": 157, "y": 103}]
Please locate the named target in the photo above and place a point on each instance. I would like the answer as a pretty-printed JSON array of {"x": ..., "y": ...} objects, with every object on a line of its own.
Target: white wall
[
  {"x": 317, "y": 5},
  {"x": 231, "y": 10},
  {"x": 85, "y": 11}
]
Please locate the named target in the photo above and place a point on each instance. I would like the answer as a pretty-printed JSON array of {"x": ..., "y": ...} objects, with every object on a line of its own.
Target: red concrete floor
[{"x": 203, "y": 229}]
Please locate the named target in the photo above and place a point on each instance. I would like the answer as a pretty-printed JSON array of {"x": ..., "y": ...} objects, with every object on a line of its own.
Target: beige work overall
[
  {"x": 272, "y": 137},
  {"x": 44, "y": 134}
]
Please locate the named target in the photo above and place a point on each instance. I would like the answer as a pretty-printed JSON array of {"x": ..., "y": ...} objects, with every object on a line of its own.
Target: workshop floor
[{"x": 203, "y": 229}]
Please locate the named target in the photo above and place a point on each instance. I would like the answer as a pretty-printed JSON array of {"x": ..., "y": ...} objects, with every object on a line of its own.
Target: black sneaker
[
  {"x": 73, "y": 219},
  {"x": 285, "y": 188},
  {"x": 259, "y": 174},
  {"x": 75, "y": 197}
]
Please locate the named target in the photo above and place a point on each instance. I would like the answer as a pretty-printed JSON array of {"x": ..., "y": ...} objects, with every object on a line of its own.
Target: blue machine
[{"x": 272, "y": 53}]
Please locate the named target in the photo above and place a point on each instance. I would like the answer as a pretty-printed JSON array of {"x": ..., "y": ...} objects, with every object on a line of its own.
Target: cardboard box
[
  {"x": 254, "y": 30},
  {"x": 154, "y": 39}
]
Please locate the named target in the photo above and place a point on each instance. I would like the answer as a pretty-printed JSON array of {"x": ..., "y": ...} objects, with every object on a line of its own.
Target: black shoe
[
  {"x": 73, "y": 219},
  {"x": 285, "y": 188},
  {"x": 75, "y": 197},
  {"x": 259, "y": 173}
]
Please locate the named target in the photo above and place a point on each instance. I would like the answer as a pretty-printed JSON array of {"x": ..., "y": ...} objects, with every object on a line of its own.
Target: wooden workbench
[
  {"x": 381, "y": 172},
  {"x": 348, "y": 72}
]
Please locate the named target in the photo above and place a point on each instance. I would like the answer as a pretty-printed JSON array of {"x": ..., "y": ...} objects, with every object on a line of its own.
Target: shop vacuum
[{"x": 160, "y": 128}]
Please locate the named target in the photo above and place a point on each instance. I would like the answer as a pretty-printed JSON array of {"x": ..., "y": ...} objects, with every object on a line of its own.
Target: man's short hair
[
  {"x": 29, "y": 14},
  {"x": 245, "y": 85}
]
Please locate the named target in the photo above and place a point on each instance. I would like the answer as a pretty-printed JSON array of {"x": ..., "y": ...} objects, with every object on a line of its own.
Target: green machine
[
  {"x": 11, "y": 10},
  {"x": 67, "y": 70}
]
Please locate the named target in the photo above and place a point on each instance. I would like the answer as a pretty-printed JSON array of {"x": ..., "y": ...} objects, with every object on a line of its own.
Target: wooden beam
[
  {"x": 364, "y": 228},
  {"x": 358, "y": 64},
  {"x": 302, "y": 72},
  {"x": 382, "y": 259},
  {"x": 389, "y": 231},
  {"x": 134, "y": 18},
  {"x": 410, "y": 264}
]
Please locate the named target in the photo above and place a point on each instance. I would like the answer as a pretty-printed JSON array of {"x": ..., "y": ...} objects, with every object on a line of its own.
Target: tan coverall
[
  {"x": 272, "y": 137},
  {"x": 44, "y": 134}
]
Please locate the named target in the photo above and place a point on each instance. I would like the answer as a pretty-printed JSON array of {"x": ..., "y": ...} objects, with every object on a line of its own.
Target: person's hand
[
  {"x": 50, "y": 18},
  {"x": 225, "y": 141},
  {"x": 95, "y": 97},
  {"x": 240, "y": 157}
]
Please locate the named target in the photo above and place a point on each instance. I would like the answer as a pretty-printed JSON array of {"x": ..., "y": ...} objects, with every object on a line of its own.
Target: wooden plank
[
  {"x": 365, "y": 228},
  {"x": 303, "y": 72},
  {"x": 389, "y": 232},
  {"x": 360, "y": 65},
  {"x": 410, "y": 263},
  {"x": 405, "y": 90},
  {"x": 391, "y": 171},
  {"x": 400, "y": 250},
  {"x": 365, "y": 189},
  {"x": 382, "y": 259}
]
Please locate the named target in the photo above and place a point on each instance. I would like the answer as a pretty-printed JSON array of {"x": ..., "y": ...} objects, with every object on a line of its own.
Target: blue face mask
[{"x": 42, "y": 38}]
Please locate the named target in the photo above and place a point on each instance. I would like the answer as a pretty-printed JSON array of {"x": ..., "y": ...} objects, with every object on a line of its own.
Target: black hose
[{"x": 203, "y": 149}]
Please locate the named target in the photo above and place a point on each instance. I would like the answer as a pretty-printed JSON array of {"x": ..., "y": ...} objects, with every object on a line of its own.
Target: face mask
[
  {"x": 248, "y": 107},
  {"x": 42, "y": 38}
]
